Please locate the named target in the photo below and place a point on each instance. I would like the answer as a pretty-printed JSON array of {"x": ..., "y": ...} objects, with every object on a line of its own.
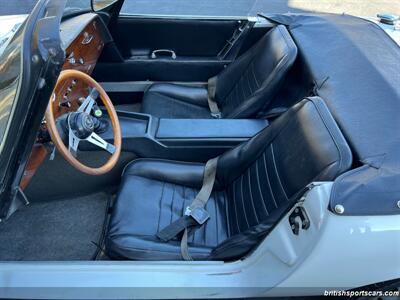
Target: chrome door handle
[{"x": 171, "y": 52}]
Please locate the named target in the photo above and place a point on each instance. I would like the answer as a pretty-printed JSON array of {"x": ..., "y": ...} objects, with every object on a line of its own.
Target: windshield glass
[
  {"x": 10, "y": 67},
  {"x": 240, "y": 8},
  {"x": 75, "y": 6}
]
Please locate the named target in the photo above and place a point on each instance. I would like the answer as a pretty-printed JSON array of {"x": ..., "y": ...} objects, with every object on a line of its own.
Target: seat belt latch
[
  {"x": 198, "y": 213},
  {"x": 216, "y": 115}
]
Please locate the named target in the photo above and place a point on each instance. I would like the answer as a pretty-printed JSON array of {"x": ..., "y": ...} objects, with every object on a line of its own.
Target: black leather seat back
[
  {"x": 262, "y": 177},
  {"x": 249, "y": 83}
]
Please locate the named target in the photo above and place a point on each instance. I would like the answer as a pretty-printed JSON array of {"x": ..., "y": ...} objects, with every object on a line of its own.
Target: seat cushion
[
  {"x": 176, "y": 101},
  {"x": 153, "y": 194}
]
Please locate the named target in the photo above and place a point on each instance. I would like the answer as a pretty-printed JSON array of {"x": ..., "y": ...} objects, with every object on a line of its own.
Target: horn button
[{"x": 82, "y": 124}]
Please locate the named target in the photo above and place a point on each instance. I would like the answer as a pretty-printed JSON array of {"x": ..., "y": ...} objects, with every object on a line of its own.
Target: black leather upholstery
[
  {"x": 153, "y": 194},
  {"x": 243, "y": 88},
  {"x": 255, "y": 186},
  {"x": 176, "y": 101}
]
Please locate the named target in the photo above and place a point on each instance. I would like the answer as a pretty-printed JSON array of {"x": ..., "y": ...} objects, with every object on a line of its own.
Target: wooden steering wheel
[{"x": 80, "y": 124}]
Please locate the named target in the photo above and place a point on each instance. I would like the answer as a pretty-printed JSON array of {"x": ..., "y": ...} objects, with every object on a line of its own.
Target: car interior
[{"x": 149, "y": 101}]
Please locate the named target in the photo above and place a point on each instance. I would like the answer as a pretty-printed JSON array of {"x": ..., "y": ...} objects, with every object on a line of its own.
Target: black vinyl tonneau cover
[{"x": 356, "y": 69}]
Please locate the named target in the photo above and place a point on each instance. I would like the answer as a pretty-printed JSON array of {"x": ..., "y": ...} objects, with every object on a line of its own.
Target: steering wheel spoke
[
  {"x": 97, "y": 140},
  {"x": 73, "y": 142},
  {"x": 87, "y": 105}
]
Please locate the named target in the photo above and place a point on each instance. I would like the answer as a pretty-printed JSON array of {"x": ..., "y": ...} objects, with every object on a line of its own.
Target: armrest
[{"x": 209, "y": 128}]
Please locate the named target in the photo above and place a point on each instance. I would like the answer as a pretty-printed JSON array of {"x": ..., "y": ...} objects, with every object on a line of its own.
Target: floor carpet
[{"x": 67, "y": 229}]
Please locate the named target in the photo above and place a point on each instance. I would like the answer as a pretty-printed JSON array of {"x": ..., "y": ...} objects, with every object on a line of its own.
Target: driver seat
[{"x": 256, "y": 184}]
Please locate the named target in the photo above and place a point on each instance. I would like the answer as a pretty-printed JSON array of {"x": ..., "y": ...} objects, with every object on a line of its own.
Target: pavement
[{"x": 230, "y": 7}]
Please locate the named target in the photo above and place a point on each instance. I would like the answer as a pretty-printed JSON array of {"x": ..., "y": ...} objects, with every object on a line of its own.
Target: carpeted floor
[{"x": 55, "y": 230}]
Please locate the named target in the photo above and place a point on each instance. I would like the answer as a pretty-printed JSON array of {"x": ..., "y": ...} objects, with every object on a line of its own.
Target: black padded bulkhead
[
  {"x": 244, "y": 88},
  {"x": 256, "y": 185}
]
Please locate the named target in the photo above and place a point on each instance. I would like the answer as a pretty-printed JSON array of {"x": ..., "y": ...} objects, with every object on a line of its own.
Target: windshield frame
[{"x": 69, "y": 10}]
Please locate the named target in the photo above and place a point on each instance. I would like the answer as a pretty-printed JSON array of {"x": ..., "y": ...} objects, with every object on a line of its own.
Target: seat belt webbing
[
  {"x": 195, "y": 214},
  {"x": 173, "y": 229},
  {"x": 210, "y": 171},
  {"x": 212, "y": 86}
]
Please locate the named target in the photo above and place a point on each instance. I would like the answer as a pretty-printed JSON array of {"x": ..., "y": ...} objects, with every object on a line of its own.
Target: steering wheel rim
[{"x": 57, "y": 140}]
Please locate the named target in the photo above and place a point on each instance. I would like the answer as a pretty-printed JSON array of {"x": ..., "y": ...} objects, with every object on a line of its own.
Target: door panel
[
  {"x": 195, "y": 42},
  {"x": 204, "y": 38},
  {"x": 182, "y": 69}
]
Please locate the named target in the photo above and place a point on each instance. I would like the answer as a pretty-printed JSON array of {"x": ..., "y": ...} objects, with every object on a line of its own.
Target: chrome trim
[{"x": 187, "y": 17}]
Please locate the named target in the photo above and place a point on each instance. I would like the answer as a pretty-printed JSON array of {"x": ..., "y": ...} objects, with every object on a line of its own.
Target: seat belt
[
  {"x": 211, "y": 88},
  {"x": 195, "y": 214}
]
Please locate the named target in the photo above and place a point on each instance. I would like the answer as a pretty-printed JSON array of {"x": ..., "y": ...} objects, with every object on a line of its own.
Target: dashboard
[
  {"x": 84, "y": 47},
  {"x": 83, "y": 38}
]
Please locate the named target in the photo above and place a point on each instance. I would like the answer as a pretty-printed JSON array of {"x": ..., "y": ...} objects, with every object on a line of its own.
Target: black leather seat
[
  {"x": 255, "y": 186},
  {"x": 244, "y": 88}
]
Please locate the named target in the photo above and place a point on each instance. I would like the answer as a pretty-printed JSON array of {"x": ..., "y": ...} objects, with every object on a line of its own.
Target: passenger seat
[
  {"x": 257, "y": 183},
  {"x": 240, "y": 91}
]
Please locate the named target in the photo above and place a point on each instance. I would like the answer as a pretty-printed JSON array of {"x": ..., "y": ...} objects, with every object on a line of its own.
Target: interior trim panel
[{"x": 180, "y": 139}]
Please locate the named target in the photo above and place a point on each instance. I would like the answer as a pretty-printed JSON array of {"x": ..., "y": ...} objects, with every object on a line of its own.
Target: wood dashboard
[{"x": 82, "y": 53}]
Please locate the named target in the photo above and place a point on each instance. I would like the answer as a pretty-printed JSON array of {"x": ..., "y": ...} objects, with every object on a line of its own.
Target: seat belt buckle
[
  {"x": 198, "y": 213},
  {"x": 216, "y": 115}
]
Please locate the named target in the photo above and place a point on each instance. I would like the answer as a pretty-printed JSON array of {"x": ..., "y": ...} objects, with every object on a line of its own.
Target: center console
[{"x": 181, "y": 139}]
